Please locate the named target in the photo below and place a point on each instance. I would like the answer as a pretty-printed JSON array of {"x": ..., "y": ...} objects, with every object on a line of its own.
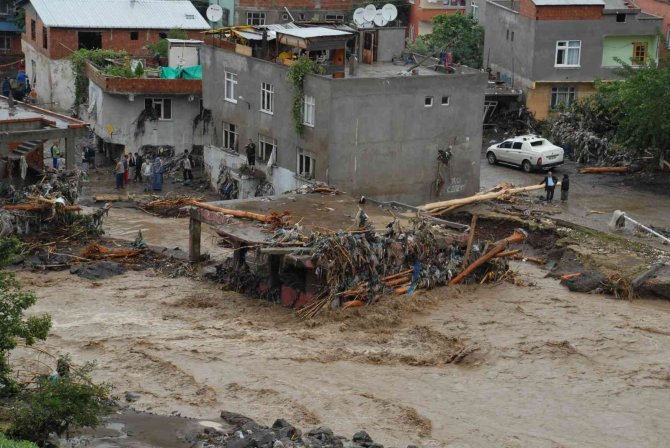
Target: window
[
  {"x": 445, "y": 100},
  {"x": 507, "y": 36},
  {"x": 306, "y": 165},
  {"x": 89, "y": 40},
  {"x": 134, "y": 35},
  {"x": 507, "y": 144},
  {"x": 639, "y": 53},
  {"x": 512, "y": 38},
  {"x": 474, "y": 10},
  {"x": 33, "y": 28},
  {"x": 428, "y": 101},
  {"x": 335, "y": 17},
  {"x": 284, "y": 16},
  {"x": 230, "y": 136},
  {"x": 265, "y": 147},
  {"x": 668, "y": 38},
  {"x": 267, "y": 97},
  {"x": 161, "y": 106},
  {"x": 255, "y": 18},
  {"x": 567, "y": 53},
  {"x": 5, "y": 41},
  {"x": 620, "y": 17},
  {"x": 562, "y": 96},
  {"x": 308, "y": 108},
  {"x": 162, "y": 35},
  {"x": 230, "y": 87},
  {"x": 45, "y": 37},
  {"x": 517, "y": 145}
]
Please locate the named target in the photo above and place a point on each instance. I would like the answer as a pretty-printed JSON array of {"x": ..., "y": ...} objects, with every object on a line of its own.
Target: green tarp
[{"x": 194, "y": 72}]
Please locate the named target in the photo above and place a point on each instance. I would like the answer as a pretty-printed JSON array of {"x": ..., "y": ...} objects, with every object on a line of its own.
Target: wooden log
[
  {"x": 389, "y": 277},
  {"x": 236, "y": 213},
  {"x": 516, "y": 237},
  {"x": 353, "y": 304},
  {"x": 605, "y": 169},
  {"x": 398, "y": 281},
  {"x": 569, "y": 276},
  {"x": 508, "y": 253},
  {"x": 402, "y": 290},
  {"x": 194, "y": 233},
  {"x": 471, "y": 238},
  {"x": 480, "y": 197},
  {"x": 643, "y": 277},
  {"x": 39, "y": 208},
  {"x": 526, "y": 258}
]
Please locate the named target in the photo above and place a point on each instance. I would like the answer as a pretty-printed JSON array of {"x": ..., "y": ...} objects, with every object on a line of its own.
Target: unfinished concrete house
[
  {"x": 56, "y": 28},
  {"x": 381, "y": 128}
]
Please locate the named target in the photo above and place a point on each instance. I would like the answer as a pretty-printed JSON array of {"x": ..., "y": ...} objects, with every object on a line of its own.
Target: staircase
[{"x": 26, "y": 148}]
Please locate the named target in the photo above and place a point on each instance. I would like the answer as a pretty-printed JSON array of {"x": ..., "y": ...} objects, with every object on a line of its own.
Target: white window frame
[
  {"x": 230, "y": 136},
  {"x": 428, "y": 101},
  {"x": 308, "y": 110},
  {"x": 5, "y": 41},
  {"x": 306, "y": 165},
  {"x": 265, "y": 146},
  {"x": 569, "y": 92},
  {"x": 565, "y": 46},
  {"x": 474, "y": 9},
  {"x": 162, "y": 101},
  {"x": 256, "y": 17},
  {"x": 443, "y": 103},
  {"x": 267, "y": 97},
  {"x": 230, "y": 87}
]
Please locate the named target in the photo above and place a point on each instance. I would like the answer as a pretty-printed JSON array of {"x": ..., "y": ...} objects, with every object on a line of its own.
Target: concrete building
[
  {"x": 659, "y": 8},
  {"x": 130, "y": 114},
  {"x": 371, "y": 129},
  {"x": 56, "y": 28},
  {"x": 422, "y": 12},
  {"x": 555, "y": 49},
  {"x": 10, "y": 34}
]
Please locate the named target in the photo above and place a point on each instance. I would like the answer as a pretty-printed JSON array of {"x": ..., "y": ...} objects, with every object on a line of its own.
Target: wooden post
[
  {"x": 69, "y": 152},
  {"x": 473, "y": 225},
  {"x": 194, "y": 231}
]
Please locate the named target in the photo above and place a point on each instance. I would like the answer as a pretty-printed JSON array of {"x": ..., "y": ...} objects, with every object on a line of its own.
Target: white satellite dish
[
  {"x": 369, "y": 13},
  {"x": 358, "y": 16},
  {"x": 390, "y": 12},
  {"x": 214, "y": 13},
  {"x": 379, "y": 19}
]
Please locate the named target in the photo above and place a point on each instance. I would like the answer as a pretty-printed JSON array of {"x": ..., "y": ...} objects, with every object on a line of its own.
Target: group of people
[
  {"x": 144, "y": 170},
  {"x": 550, "y": 181}
]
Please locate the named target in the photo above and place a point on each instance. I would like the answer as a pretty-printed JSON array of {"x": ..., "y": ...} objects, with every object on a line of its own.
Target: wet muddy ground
[{"x": 542, "y": 367}]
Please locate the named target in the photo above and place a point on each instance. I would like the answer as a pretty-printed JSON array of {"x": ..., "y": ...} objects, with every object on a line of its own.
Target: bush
[
  {"x": 8, "y": 443},
  {"x": 58, "y": 405}
]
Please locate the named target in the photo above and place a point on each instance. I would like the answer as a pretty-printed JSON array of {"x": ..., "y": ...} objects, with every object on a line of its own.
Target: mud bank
[{"x": 543, "y": 368}]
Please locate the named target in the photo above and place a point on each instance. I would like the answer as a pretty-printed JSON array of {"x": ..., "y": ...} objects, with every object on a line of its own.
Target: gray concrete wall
[
  {"x": 371, "y": 136},
  {"x": 384, "y": 141},
  {"x": 591, "y": 33},
  {"x": 53, "y": 79},
  {"x": 391, "y": 43},
  {"x": 513, "y": 58},
  {"x": 121, "y": 114}
]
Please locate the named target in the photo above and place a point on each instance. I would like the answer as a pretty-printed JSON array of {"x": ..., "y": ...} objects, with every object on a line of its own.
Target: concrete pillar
[
  {"x": 194, "y": 231},
  {"x": 69, "y": 153},
  {"x": 4, "y": 149}
]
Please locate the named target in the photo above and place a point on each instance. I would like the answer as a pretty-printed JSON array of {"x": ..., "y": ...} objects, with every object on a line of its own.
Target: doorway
[{"x": 90, "y": 40}]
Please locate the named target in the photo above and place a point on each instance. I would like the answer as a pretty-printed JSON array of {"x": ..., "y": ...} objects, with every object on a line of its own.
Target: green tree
[
  {"x": 458, "y": 34},
  {"x": 14, "y": 328},
  {"x": 161, "y": 47}
]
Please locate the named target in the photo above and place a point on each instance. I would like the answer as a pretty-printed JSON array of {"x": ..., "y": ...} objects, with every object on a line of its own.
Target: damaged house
[
  {"x": 555, "y": 49},
  {"x": 381, "y": 127},
  {"x": 56, "y": 28}
]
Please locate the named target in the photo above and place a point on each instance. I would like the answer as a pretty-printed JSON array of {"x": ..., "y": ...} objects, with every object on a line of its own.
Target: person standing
[
  {"x": 119, "y": 171},
  {"x": 157, "y": 183},
  {"x": 126, "y": 168},
  {"x": 146, "y": 173},
  {"x": 132, "y": 167},
  {"x": 565, "y": 187},
  {"x": 251, "y": 154},
  {"x": 549, "y": 182},
  {"x": 138, "y": 168},
  {"x": 55, "y": 155},
  {"x": 187, "y": 166}
]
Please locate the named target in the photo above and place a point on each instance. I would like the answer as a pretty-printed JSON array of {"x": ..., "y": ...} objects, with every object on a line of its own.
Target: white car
[{"x": 530, "y": 152}]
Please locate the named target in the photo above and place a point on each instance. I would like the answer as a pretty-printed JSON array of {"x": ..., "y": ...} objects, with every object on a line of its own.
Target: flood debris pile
[
  {"x": 246, "y": 433},
  {"x": 315, "y": 187},
  {"x": 49, "y": 206},
  {"x": 170, "y": 206}
]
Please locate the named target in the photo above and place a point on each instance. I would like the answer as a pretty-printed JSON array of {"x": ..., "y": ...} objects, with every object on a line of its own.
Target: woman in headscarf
[{"x": 157, "y": 183}]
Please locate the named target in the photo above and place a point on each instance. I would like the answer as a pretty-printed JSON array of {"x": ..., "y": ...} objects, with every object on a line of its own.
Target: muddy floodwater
[{"x": 542, "y": 367}]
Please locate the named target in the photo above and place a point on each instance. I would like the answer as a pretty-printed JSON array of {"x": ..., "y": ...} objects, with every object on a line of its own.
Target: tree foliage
[
  {"x": 296, "y": 76},
  {"x": 14, "y": 328},
  {"x": 97, "y": 57},
  {"x": 8, "y": 443},
  {"x": 458, "y": 34},
  {"x": 161, "y": 47}
]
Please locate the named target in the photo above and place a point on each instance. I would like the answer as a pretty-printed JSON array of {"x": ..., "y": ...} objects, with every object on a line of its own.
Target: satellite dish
[
  {"x": 214, "y": 13},
  {"x": 358, "y": 16},
  {"x": 369, "y": 13},
  {"x": 379, "y": 19},
  {"x": 390, "y": 12}
]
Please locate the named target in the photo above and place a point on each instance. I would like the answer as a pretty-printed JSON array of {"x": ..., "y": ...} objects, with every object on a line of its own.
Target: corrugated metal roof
[
  {"x": 316, "y": 31},
  {"x": 134, "y": 14},
  {"x": 569, "y": 2}
]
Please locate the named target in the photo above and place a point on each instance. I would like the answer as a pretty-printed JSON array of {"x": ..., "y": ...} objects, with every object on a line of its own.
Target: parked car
[{"x": 530, "y": 152}]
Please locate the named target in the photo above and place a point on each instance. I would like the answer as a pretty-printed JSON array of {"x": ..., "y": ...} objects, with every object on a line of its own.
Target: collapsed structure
[{"x": 372, "y": 120}]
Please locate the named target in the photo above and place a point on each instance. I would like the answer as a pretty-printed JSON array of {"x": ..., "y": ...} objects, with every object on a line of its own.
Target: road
[{"x": 593, "y": 197}]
